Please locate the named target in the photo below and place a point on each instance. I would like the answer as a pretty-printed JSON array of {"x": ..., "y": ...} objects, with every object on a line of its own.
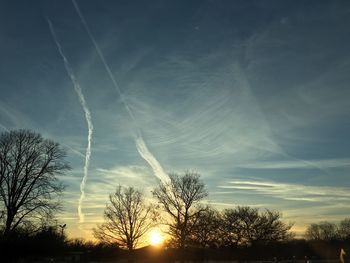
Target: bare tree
[
  {"x": 313, "y": 232},
  {"x": 206, "y": 232},
  {"x": 29, "y": 165},
  {"x": 231, "y": 228},
  {"x": 344, "y": 229},
  {"x": 127, "y": 218},
  {"x": 246, "y": 225},
  {"x": 180, "y": 198},
  {"x": 270, "y": 227},
  {"x": 324, "y": 231}
]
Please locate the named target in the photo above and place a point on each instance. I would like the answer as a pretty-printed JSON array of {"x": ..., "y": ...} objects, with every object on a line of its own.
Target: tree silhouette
[
  {"x": 180, "y": 198},
  {"x": 344, "y": 229},
  {"x": 206, "y": 231},
  {"x": 127, "y": 219},
  {"x": 324, "y": 231},
  {"x": 246, "y": 226},
  {"x": 29, "y": 165}
]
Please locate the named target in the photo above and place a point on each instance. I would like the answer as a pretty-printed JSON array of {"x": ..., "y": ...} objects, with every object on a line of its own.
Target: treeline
[
  {"x": 327, "y": 231},
  {"x": 29, "y": 199},
  {"x": 197, "y": 231},
  {"x": 48, "y": 244},
  {"x": 188, "y": 223},
  {"x": 242, "y": 226}
]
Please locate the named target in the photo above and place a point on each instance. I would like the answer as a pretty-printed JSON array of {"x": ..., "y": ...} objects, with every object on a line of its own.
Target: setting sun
[{"x": 155, "y": 238}]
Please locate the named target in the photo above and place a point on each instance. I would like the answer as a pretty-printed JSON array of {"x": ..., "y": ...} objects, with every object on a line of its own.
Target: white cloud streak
[
  {"x": 299, "y": 164},
  {"x": 292, "y": 192},
  {"x": 139, "y": 141},
  {"x": 74, "y": 151},
  {"x": 218, "y": 118},
  {"x": 127, "y": 175},
  {"x": 83, "y": 103},
  {"x": 151, "y": 160},
  {"x": 12, "y": 118}
]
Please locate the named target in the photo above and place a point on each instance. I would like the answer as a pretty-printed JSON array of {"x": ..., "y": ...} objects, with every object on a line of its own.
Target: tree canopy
[
  {"x": 328, "y": 231},
  {"x": 29, "y": 186},
  {"x": 245, "y": 225},
  {"x": 127, "y": 218},
  {"x": 180, "y": 199}
]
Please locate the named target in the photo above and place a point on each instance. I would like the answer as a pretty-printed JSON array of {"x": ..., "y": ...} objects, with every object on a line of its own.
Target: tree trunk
[
  {"x": 182, "y": 246},
  {"x": 9, "y": 221}
]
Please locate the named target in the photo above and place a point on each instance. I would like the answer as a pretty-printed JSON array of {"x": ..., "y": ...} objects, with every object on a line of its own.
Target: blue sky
[{"x": 253, "y": 95}]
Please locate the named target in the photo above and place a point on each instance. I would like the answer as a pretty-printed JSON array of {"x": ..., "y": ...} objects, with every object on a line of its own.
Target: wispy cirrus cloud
[
  {"x": 225, "y": 123},
  {"x": 299, "y": 164},
  {"x": 106, "y": 180},
  {"x": 292, "y": 191},
  {"x": 124, "y": 172},
  {"x": 12, "y": 118}
]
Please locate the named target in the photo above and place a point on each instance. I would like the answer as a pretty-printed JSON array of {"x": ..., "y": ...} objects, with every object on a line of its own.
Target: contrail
[
  {"x": 151, "y": 160},
  {"x": 139, "y": 141},
  {"x": 87, "y": 117},
  {"x": 74, "y": 150}
]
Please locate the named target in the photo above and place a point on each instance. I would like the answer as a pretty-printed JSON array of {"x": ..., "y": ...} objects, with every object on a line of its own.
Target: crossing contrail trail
[
  {"x": 139, "y": 141},
  {"x": 151, "y": 160},
  {"x": 83, "y": 103}
]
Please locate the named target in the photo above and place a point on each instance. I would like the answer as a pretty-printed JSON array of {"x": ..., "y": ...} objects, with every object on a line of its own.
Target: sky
[{"x": 253, "y": 95}]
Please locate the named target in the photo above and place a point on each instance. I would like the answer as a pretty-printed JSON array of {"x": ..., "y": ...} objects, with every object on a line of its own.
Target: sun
[{"x": 155, "y": 238}]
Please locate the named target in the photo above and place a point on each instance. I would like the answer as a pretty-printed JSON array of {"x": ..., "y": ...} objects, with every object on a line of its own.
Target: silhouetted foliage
[
  {"x": 206, "y": 232},
  {"x": 180, "y": 199},
  {"x": 24, "y": 243},
  {"x": 29, "y": 165},
  {"x": 244, "y": 226},
  {"x": 127, "y": 219},
  {"x": 325, "y": 231},
  {"x": 344, "y": 229}
]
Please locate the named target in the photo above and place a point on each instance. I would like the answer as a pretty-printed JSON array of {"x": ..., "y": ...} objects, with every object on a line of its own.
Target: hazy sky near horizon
[{"x": 253, "y": 95}]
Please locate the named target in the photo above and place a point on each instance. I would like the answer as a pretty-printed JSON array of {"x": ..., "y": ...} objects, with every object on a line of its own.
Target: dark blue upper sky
[{"x": 254, "y": 95}]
